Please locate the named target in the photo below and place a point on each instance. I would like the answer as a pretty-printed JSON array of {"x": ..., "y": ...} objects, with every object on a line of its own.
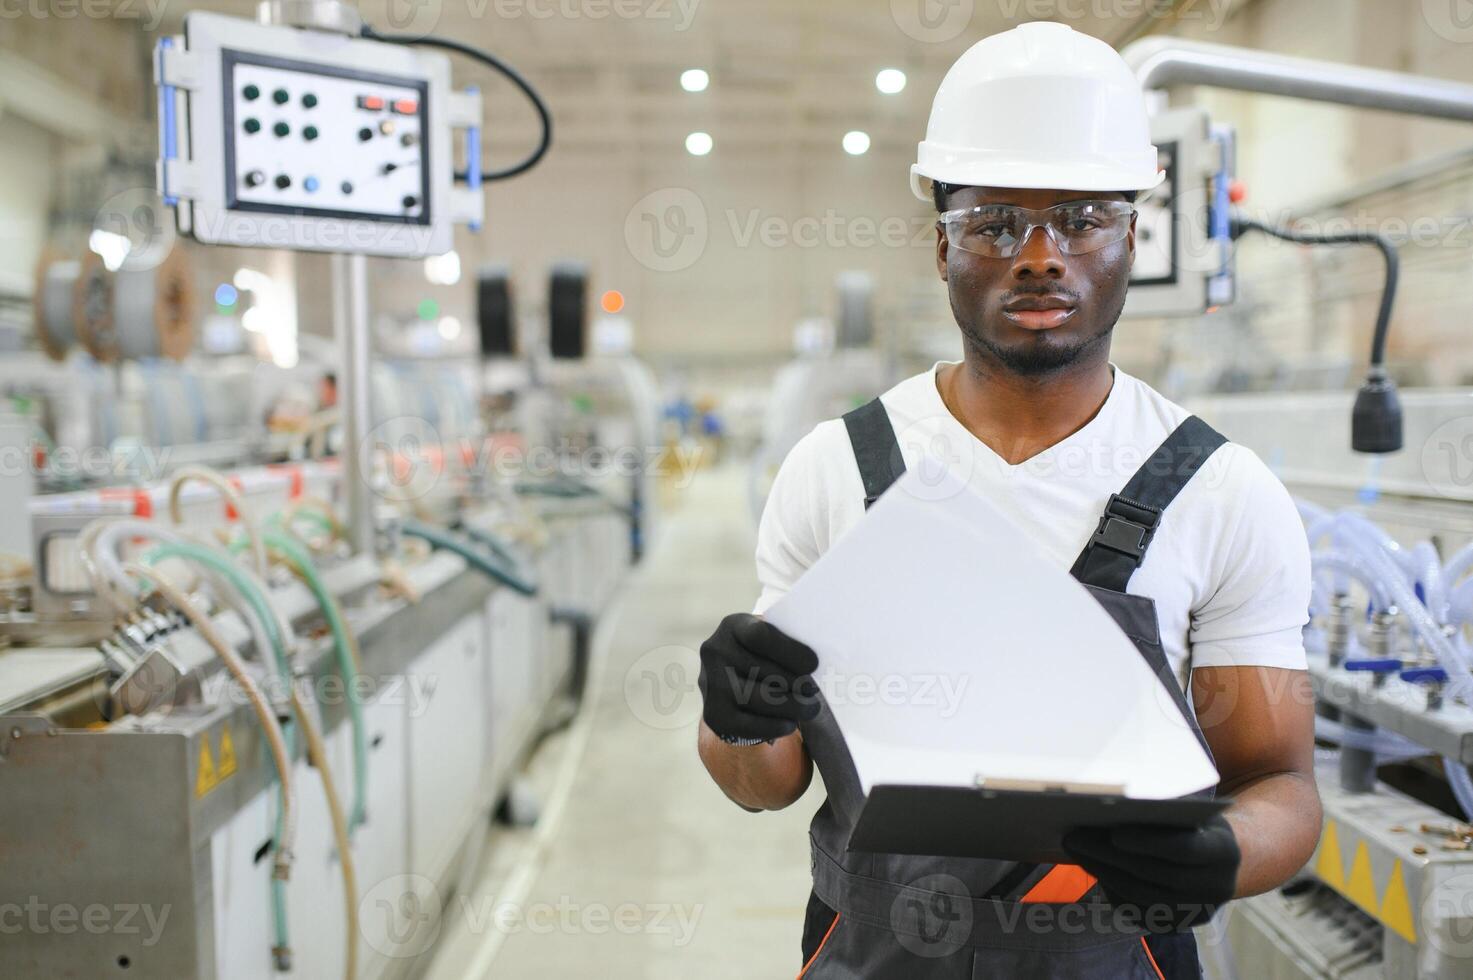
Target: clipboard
[{"x": 1007, "y": 820}]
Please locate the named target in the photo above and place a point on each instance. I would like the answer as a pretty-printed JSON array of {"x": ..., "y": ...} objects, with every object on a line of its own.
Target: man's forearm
[
  {"x": 1276, "y": 819},
  {"x": 758, "y": 777}
]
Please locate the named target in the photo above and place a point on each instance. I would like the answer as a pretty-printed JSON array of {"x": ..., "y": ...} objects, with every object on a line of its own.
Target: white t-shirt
[{"x": 1228, "y": 567}]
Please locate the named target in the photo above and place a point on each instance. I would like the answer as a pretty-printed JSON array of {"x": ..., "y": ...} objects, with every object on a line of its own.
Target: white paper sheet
[{"x": 950, "y": 650}]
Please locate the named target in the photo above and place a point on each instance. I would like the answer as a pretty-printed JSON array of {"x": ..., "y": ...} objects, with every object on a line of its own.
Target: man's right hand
[{"x": 756, "y": 680}]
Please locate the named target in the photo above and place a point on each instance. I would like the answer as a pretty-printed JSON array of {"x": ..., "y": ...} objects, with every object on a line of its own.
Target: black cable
[
  {"x": 1376, "y": 418},
  {"x": 1388, "y": 252},
  {"x": 511, "y": 74}
]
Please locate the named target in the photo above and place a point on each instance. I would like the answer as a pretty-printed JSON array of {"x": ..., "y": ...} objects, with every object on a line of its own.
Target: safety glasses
[{"x": 999, "y": 230}]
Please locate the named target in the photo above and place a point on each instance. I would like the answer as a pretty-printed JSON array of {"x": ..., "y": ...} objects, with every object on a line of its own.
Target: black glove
[
  {"x": 757, "y": 681},
  {"x": 1173, "y": 878}
]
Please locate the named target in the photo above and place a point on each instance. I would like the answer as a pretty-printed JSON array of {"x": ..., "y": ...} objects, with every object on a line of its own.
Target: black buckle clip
[{"x": 1126, "y": 528}]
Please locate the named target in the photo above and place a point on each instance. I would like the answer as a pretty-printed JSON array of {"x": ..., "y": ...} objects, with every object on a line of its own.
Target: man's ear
[
  {"x": 941, "y": 247},
  {"x": 1130, "y": 239}
]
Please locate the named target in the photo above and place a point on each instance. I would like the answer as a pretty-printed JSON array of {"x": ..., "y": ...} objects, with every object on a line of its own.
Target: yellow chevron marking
[
  {"x": 1361, "y": 889},
  {"x": 1330, "y": 865},
  {"x": 1396, "y": 909}
]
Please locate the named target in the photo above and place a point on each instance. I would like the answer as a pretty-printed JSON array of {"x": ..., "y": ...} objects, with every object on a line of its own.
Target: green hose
[
  {"x": 504, "y": 552},
  {"x": 296, "y": 556},
  {"x": 301, "y": 561},
  {"x": 262, "y": 609},
  {"x": 312, "y": 517},
  {"x": 495, "y": 566},
  {"x": 570, "y": 488}
]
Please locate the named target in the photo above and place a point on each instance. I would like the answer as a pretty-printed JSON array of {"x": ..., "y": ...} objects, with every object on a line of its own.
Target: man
[{"x": 1037, "y": 145}]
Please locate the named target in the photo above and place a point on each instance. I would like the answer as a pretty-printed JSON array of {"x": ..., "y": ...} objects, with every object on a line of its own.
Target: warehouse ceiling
[{"x": 785, "y": 74}]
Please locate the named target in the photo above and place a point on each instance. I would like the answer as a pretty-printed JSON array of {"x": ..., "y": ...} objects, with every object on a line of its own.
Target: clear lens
[{"x": 999, "y": 230}]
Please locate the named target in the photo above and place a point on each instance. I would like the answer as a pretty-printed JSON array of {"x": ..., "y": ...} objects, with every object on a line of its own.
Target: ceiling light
[
  {"x": 856, "y": 142},
  {"x": 443, "y": 270},
  {"x": 698, "y": 144},
  {"x": 890, "y": 80},
  {"x": 695, "y": 80}
]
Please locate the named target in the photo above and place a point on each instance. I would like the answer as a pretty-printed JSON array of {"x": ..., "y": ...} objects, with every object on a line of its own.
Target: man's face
[{"x": 1041, "y": 310}]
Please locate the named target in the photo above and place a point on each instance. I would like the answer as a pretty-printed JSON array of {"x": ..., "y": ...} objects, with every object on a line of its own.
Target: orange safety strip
[
  {"x": 820, "y": 947},
  {"x": 1147, "y": 947},
  {"x": 294, "y": 480},
  {"x": 1064, "y": 883},
  {"x": 139, "y": 498},
  {"x": 231, "y": 514}
]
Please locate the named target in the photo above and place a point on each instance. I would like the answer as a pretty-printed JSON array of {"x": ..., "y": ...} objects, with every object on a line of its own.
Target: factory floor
[{"x": 638, "y": 866}]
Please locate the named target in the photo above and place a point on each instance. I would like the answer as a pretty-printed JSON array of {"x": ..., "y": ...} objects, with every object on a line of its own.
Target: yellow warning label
[
  {"x": 208, "y": 778},
  {"x": 1396, "y": 909},
  {"x": 1361, "y": 889},
  {"x": 227, "y": 754},
  {"x": 1330, "y": 866}
]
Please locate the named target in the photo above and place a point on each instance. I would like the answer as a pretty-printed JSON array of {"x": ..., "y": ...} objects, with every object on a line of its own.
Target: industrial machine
[
  {"x": 256, "y": 715},
  {"x": 1389, "y": 892}
]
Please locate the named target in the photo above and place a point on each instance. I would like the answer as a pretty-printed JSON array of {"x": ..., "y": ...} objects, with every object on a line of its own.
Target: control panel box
[
  {"x": 1184, "y": 258},
  {"x": 282, "y": 137}
]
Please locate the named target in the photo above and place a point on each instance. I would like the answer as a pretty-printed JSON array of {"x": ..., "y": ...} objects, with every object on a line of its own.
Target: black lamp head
[{"x": 1375, "y": 422}]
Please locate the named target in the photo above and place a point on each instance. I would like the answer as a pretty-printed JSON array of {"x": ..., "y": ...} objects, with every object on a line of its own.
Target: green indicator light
[{"x": 428, "y": 309}]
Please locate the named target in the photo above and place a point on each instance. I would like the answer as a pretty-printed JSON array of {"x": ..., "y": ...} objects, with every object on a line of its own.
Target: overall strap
[
  {"x": 1132, "y": 515},
  {"x": 875, "y": 448}
]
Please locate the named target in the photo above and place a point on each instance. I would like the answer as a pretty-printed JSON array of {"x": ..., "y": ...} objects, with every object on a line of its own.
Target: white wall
[{"x": 25, "y": 196}]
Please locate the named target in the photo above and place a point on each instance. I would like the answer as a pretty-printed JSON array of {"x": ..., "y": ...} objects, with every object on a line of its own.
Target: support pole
[{"x": 350, "y": 326}]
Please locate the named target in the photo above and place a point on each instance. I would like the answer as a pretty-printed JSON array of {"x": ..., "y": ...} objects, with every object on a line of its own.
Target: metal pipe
[
  {"x": 1357, "y": 766},
  {"x": 1160, "y": 62},
  {"x": 350, "y": 325}
]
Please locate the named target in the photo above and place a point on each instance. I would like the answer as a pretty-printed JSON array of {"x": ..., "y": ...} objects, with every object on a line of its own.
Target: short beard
[{"x": 1037, "y": 360}]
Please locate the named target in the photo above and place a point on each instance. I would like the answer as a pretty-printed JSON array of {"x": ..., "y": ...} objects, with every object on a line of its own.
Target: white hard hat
[{"x": 1042, "y": 106}]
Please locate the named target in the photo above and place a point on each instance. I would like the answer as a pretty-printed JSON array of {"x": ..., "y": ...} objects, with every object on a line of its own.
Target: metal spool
[
  {"x": 145, "y": 309},
  {"x": 92, "y": 303},
  {"x": 55, "y": 324}
]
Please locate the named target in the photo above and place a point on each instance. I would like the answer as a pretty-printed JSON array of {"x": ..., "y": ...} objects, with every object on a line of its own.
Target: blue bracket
[
  {"x": 1221, "y": 226},
  {"x": 1375, "y": 666},
  {"x": 473, "y": 157},
  {"x": 168, "y": 123},
  {"x": 1418, "y": 675}
]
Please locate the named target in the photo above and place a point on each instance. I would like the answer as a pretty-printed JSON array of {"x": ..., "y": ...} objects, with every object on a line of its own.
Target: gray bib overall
[{"x": 919, "y": 918}]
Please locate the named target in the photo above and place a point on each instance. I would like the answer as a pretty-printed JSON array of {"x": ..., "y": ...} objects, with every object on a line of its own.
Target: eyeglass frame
[{"x": 1032, "y": 216}]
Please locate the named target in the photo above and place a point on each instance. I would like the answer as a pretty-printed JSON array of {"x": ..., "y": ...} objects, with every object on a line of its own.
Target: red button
[
  {"x": 406, "y": 107},
  {"x": 372, "y": 102}
]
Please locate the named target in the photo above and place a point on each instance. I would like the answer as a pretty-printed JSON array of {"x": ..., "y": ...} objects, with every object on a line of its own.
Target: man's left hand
[{"x": 1191, "y": 872}]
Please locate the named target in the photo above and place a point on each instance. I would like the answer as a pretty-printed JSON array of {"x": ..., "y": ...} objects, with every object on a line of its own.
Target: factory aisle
[{"x": 650, "y": 872}]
